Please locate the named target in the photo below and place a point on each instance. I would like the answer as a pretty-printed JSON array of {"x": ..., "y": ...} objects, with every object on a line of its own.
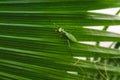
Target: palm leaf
[{"x": 31, "y": 49}]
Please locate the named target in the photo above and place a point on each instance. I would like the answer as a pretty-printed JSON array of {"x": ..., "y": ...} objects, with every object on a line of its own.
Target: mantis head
[{"x": 60, "y": 29}]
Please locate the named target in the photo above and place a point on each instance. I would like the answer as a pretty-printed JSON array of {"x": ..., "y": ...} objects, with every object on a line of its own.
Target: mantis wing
[{"x": 71, "y": 37}]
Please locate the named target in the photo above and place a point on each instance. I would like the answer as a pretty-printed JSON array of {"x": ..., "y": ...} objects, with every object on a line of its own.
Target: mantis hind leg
[{"x": 69, "y": 47}]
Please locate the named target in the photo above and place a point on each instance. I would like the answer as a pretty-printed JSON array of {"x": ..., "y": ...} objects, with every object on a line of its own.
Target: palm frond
[{"x": 31, "y": 49}]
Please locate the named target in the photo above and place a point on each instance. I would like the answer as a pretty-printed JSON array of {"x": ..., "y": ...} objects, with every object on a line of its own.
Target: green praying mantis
[{"x": 69, "y": 36}]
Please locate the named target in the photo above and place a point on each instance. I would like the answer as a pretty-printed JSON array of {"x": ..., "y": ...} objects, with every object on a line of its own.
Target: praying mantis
[{"x": 69, "y": 36}]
